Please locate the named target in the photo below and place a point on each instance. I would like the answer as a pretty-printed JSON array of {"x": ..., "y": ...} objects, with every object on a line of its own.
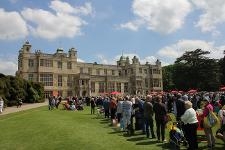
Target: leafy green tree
[
  {"x": 39, "y": 88},
  {"x": 12, "y": 88},
  {"x": 222, "y": 69},
  {"x": 194, "y": 70},
  {"x": 168, "y": 83}
]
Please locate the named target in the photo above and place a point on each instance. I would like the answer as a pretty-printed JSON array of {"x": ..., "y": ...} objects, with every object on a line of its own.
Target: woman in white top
[
  {"x": 1, "y": 104},
  {"x": 189, "y": 118}
]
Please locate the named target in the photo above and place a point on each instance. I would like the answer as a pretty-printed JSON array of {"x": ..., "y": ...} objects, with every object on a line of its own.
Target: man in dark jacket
[{"x": 148, "y": 116}]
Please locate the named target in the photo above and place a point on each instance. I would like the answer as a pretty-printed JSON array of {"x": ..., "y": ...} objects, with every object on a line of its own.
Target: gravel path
[{"x": 25, "y": 106}]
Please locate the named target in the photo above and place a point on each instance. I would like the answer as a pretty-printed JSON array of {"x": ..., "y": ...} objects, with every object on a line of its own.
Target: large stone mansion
[{"x": 62, "y": 74}]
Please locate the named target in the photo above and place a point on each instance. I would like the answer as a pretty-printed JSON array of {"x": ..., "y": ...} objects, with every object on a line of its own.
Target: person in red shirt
[{"x": 208, "y": 130}]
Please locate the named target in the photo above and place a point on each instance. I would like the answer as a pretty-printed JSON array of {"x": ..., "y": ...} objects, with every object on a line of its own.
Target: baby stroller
[{"x": 176, "y": 136}]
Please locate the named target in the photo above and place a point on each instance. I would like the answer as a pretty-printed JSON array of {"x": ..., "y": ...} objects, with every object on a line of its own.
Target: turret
[
  {"x": 127, "y": 60},
  {"x": 135, "y": 60},
  {"x": 122, "y": 61},
  {"x": 26, "y": 47},
  {"x": 158, "y": 63},
  {"x": 72, "y": 53}
]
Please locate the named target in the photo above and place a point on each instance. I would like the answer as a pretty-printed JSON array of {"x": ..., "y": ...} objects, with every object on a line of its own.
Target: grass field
[{"x": 41, "y": 129}]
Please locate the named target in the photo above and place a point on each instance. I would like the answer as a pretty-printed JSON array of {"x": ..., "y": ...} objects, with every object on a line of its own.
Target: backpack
[{"x": 211, "y": 120}]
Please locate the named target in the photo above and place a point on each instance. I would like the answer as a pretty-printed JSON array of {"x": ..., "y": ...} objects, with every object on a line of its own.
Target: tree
[
  {"x": 222, "y": 69},
  {"x": 167, "y": 78},
  {"x": 194, "y": 70},
  {"x": 12, "y": 88}
]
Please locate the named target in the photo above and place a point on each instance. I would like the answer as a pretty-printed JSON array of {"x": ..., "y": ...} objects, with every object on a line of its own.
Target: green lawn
[{"x": 41, "y": 129}]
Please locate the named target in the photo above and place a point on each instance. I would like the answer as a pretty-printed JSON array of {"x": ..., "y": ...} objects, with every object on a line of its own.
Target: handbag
[{"x": 211, "y": 120}]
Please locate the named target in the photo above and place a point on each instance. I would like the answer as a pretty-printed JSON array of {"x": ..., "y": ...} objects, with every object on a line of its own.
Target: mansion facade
[{"x": 63, "y": 75}]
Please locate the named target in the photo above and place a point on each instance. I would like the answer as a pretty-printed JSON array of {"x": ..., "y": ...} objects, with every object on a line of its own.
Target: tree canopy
[
  {"x": 194, "y": 70},
  {"x": 12, "y": 88}
]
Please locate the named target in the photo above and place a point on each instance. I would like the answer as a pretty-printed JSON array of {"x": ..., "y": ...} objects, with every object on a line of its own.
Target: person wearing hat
[
  {"x": 208, "y": 130},
  {"x": 1, "y": 105}
]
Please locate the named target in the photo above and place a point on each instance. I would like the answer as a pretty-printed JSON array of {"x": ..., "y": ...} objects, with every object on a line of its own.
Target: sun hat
[{"x": 206, "y": 98}]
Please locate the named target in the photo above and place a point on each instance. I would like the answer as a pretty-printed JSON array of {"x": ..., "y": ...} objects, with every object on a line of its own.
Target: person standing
[
  {"x": 93, "y": 104},
  {"x": 19, "y": 102},
  {"x": 160, "y": 115},
  {"x": 112, "y": 106},
  {"x": 106, "y": 107},
  {"x": 208, "y": 130},
  {"x": 189, "y": 118},
  {"x": 49, "y": 102},
  {"x": 119, "y": 109},
  {"x": 59, "y": 99},
  {"x": 148, "y": 116},
  {"x": 221, "y": 133},
  {"x": 178, "y": 106},
  {"x": 1, "y": 105},
  {"x": 126, "y": 112}
]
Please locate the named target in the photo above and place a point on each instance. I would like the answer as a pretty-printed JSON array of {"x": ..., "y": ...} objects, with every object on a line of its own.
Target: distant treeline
[
  {"x": 193, "y": 70},
  {"x": 14, "y": 88}
]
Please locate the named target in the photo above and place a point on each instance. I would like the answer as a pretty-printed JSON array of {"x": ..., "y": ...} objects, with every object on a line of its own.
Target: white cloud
[
  {"x": 12, "y": 25},
  {"x": 103, "y": 59},
  {"x": 80, "y": 60},
  {"x": 178, "y": 49},
  {"x": 132, "y": 25},
  {"x": 63, "y": 7},
  {"x": 213, "y": 14},
  {"x": 159, "y": 15},
  {"x": 8, "y": 65},
  {"x": 64, "y": 22},
  {"x": 129, "y": 25}
]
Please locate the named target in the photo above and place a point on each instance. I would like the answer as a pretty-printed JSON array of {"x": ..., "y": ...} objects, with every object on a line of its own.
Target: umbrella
[
  {"x": 174, "y": 91},
  {"x": 192, "y": 91},
  {"x": 222, "y": 88},
  {"x": 115, "y": 93}
]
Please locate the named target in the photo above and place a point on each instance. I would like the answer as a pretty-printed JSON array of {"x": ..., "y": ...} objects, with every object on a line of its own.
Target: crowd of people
[
  {"x": 142, "y": 113},
  {"x": 71, "y": 103}
]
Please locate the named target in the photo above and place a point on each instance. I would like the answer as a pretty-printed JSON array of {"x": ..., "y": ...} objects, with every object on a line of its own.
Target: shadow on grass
[
  {"x": 167, "y": 146},
  {"x": 215, "y": 148},
  {"x": 115, "y": 132},
  {"x": 104, "y": 122},
  {"x": 136, "y": 139},
  {"x": 146, "y": 143}
]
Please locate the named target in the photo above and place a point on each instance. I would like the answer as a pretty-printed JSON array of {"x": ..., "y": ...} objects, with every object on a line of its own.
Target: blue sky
[{"x": 101, "y": 30}]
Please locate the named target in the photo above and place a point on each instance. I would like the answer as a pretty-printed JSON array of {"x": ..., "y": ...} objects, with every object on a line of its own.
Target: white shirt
[
  {"x": 221, "y": 114},
  {"x": 119, "y": 107},
  {"x": 1, "y": 103},
  {"x": 189, "y": 116}
]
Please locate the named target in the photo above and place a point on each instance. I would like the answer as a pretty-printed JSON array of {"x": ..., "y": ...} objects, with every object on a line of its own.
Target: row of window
[
  {"x": 49, "y": 63},
  {"x": 111, "y": 87},
  {"x": 47, "y": 79},
  {"x": 98, "y": 71}
]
